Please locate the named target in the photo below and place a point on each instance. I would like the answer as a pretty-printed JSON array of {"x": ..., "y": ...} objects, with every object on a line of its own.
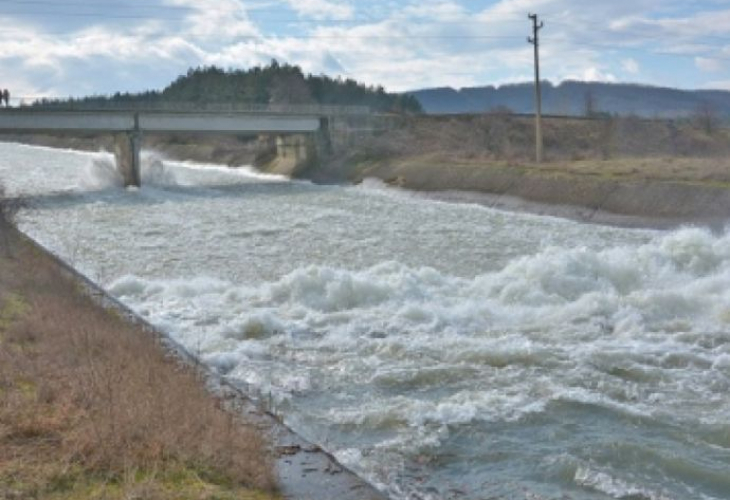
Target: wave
[{"x": 612, "y": 326}]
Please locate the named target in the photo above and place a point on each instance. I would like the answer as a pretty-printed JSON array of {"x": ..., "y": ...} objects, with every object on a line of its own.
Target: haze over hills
[{"x": 577, "y": 99}]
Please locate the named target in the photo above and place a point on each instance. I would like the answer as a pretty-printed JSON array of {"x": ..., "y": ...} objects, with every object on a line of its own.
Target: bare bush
[
  {"x": 500, "y": 136},
  {"x": 82, "y": 387},
  {"x": 706, "y": 119},
  {"x": 9, "y": 207}
]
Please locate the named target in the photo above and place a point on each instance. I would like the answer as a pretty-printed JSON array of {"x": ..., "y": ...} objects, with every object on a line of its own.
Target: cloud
[
  {"x": 630, "y": 66},
  {"x": 709, "y": 65},
  {"x": 322, "y": 9},
  {"x": 718, "y": 85},
  {"x": 217, "y": 19},
  {"x": 436, "y": 9},
  {"x": 591, "y": 74},
  {"x": 402, "y": 45}
]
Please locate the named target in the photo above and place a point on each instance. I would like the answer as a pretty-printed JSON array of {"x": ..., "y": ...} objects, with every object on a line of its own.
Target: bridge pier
[{"x": 127, "y": 148}]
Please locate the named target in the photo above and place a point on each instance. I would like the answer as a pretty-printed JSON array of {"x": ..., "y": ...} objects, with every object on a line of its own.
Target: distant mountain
[{"x": 577, "y": 99}]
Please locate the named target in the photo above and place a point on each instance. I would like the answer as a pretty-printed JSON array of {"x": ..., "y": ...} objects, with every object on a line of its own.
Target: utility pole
[{"x": 534, "y": 40}]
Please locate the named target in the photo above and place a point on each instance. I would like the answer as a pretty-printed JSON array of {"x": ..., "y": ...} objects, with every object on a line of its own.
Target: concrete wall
[
  {"x": 288, "y": 154},
  {"x": 345, "y": 131}
]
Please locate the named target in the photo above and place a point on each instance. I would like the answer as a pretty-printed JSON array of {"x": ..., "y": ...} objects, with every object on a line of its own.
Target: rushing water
[{"x": 440, "y": 350}]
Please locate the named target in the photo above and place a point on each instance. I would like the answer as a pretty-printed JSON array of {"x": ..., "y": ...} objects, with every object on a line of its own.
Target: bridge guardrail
[{"x": 180, "y": 107}]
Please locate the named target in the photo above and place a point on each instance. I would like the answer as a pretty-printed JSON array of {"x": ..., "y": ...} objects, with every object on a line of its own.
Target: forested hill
[
  {"x": 578, "y": 99},
  {"x": 272, "y": 84}
]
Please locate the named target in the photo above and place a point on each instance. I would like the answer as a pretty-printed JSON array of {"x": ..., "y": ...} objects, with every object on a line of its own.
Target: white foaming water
[
  {"x": 102, "y": 173},
  {"x": 441, "y": 350}
]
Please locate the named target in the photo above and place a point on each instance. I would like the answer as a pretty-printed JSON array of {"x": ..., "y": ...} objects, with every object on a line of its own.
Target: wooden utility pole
[{"x": 534, "y": 40}]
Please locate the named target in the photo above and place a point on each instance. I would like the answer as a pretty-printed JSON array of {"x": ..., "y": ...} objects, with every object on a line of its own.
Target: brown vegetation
[
  {"x": 92, "y": 407},
  {"x": 499, "y": 136}
]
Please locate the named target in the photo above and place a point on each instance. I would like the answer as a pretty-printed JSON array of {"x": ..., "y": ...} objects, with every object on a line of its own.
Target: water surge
[{"x": 441, "y": 350}]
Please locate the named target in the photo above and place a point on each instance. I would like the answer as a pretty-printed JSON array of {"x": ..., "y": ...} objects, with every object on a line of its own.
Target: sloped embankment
[
  {"x": 92, "y": 407},
  {"x": 624, "y": 170},
  {"x": 628, "y": 199}
]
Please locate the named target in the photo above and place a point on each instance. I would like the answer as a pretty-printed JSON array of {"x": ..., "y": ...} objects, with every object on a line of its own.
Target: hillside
[
  {"x": 578, "y": 99},
  {"x": 272, "y": 84}
]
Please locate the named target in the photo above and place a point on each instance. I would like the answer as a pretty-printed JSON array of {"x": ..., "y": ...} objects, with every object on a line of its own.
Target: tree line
[{"x": 271, "y": 84}]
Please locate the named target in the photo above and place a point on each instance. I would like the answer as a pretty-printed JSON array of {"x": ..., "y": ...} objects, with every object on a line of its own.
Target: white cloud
[
  {"x": 592, "y": 74},
  {"x": 718, "y": 85},
  {"x": 630, "y": 66},
  {"x": 436, "y": 9},
  {"x": 217, "y": 19},
  {"x": 708, "y": 64},
  {"x": 322, "y": 9},
  {"x": 409, "y": 44}
]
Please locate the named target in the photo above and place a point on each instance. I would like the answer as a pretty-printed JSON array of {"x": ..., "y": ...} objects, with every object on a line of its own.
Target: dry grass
[
  {"x": 510, "y": 139},
  {"x": 707, "y": 171},
  {"x": 91, "y": 407},
  {"x": 464, "y": 152}
]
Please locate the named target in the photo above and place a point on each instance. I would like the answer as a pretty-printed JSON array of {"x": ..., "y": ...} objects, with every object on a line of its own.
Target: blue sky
[{"x": 79, "y": 47}]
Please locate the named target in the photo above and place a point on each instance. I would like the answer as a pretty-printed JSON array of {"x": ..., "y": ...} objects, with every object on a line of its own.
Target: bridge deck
[{"x": 120, "y": 121}]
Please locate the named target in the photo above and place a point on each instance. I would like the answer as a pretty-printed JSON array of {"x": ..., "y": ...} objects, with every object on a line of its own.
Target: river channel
[{"x": 440, "y": 350}]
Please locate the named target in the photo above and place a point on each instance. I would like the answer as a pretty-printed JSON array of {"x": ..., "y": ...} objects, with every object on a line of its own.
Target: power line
[
  {"x": 81, "y": 35},
  {"x": 106, "y": 5},
  {"x": 274, "y": 20},
  {"x": 254, "y": 15},
  {"x": 100, "y": 15},
  {"x": 249, "y": 11},
  {"x": 78, "y": 34},
  {"x": 251, "y": 16},
  {"x": 618, "y": 46}
]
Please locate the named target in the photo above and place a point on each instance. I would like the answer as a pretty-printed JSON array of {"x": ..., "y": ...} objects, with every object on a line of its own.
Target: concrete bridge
[{"x": 128, "y": 127}]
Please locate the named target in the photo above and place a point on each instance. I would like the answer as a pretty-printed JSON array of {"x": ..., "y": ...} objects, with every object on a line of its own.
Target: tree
[
  {"x": 590, "y": 104},
  {"x": 706, "y": 118},
  {"x": 290, "y": 88},
  {"x": 276, "y": 83}
]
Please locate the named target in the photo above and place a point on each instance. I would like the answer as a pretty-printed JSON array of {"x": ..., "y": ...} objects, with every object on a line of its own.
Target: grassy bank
[
  {"x": 623, "y": 149},
  {"x": 92, "y": 407},
  {"x": 650, "y": 169},
  {"x": 632, "y": 191}
]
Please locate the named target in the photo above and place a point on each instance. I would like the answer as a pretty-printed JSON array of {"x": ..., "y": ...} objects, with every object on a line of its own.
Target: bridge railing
[{"x": 183, "y": 107}]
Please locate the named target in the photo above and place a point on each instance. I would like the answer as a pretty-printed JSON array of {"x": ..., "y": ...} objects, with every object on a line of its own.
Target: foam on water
[
  {"x": 626, "y": 329},
  {"x": 101, "y": 173},
  {"x": 197, "y": 174},
  {"x": 613, "y": 327},
  {"x": 615, "y": 488},
  {"x": 432, "y": 347}
]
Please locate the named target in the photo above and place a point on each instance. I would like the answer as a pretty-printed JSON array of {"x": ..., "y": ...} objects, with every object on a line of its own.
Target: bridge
[{"x": 129, "y": 126}]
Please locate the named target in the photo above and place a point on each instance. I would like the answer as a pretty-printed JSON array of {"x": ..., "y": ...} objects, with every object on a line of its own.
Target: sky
[{"x": 53, "y": 48}]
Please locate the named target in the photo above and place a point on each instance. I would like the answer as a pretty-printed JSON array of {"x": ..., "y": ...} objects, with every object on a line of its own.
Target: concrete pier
[{"x": 127, "y": 149}]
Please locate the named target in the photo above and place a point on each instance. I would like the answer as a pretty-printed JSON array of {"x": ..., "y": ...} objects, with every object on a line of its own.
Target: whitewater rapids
[{"x": 441, "y": 350}]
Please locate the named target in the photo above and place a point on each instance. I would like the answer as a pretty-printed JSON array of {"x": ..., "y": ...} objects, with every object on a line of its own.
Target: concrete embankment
[{"x": 631, "y": 200}]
